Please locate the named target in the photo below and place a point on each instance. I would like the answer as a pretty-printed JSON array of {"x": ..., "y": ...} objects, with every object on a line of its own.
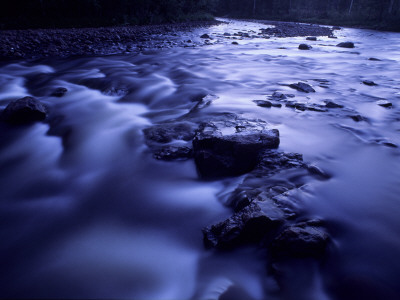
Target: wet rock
[
  {"x": 25, "y": 110},
  {"x": 384, "y": 103},
  {"x": 331, "y": 104},
  {"x": 165, "y": 133},
  {"x": 316, "y": 171},
  {"x": 369, "y": 82},
  {"x": 227, "y": 34},
  {"x": 336, "y": 28},
  {"x": 172, "y": 153},
  {"x": 253, "y": 224},
  {"x": 374, "y": 59},
  {"x": 205, "y": 36},
  {"x": 311, "y": 38},
  {"x": 304, "y": 47},
  {"x": 263, "y": 103},
  {"x": 59, "y": 92},
  {"x": 299, "y": 241},
  {"x": 233, "y": 149},
  {"x": 305, "y": 106},
  {"x": 278, "y": 96},
  {"x": 357, "y": 118},
  {"x": 346, "y": 45},
  {"x": 302, "y": 87},
  {"x": 204, "y": 102},
  {"x": 235, "y": 43}
]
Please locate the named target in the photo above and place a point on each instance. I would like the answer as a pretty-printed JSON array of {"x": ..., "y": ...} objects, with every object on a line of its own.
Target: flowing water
[{"x": 94, "y": 215}]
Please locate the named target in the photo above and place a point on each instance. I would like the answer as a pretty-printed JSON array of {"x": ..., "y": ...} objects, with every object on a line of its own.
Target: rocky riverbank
[{"x": 39, "y": 43}]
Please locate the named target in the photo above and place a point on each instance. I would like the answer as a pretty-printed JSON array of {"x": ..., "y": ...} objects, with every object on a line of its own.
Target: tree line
[{"x": 67, "y": 13}]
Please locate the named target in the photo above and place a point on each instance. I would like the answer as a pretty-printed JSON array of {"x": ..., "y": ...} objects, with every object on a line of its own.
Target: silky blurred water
[{"x": 86, "y": 212}]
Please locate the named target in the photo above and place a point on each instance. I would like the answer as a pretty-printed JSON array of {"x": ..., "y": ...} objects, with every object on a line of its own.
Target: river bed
[{"x": 94, "y": 215}]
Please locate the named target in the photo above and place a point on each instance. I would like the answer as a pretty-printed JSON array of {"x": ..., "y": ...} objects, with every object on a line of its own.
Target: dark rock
[
  {"x": 331, "y": 104},
  {"x": 314, "y": 170},
  {"x": 173, "y": 153},
  {"x": 235, "y": 43},
  {"x": 296, "y": 105},
  {"x": 227, "y": 34},
  {"x": 59, "y": 92},
  {"x": 357, "y": 118},
  {"x": 346, "y": 45},
  {"x": 304, "y": 47},
  {"x": 165, "y": 133},
  {"x": 302, "y": 87},
  {"x": 204, "y": 102},
  {"x": 232, "y": 150},
  {"x": 25, "y": 110},
  {"x": 336, "y": 28},
  {"x": 374, "y": 59},
  {"x": 263, "y": 103},
  {"x": 385, "y": 103},
  {"x": 301, "y": 240},
  {"x": 311, "y": 38},
  {"x": 369, "y": 82},
  {"x": 253, "y": 224},
  {"x": 278, "y": 96},
  {"x": 205, "y": 36}
]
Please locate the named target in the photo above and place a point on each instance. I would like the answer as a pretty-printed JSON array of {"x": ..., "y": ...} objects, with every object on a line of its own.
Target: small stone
[
  {"x": 311, "y": 38},
  {"x": 302, "y": 87},
  {"x": 171, "y": 153},
  {"x": 227, "y": 34},
  {"x": 357, "y": 118},
  {"x": 374, "y": 59},
  {"x": 385, "y": 103},
  {"x": 25, "y": 110},
  {"x": 346, "y": 45},
  {"x": 235, "y": 43},
  {"x": 263, "y": 103},
  {"x": 369, "y": 82},
  {"x": 278, "y": 96},
  {"x": 205, "y": 36},
  {"x": 331, "y": 104},
  {"x": 304, "y": 47},
  {"x": 59, "y": 92}
]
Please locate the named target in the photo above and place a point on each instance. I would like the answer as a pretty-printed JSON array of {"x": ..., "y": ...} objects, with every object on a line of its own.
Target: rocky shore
[{"x": 40, "y": 43}]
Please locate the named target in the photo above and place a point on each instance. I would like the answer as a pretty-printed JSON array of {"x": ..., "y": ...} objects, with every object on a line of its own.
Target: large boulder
[
  {"x": 254, "y": 224},
  {"x": 222, "y": 150},
  {"x": 24, "y": 111},
  {"x": 299, "y": 241}
]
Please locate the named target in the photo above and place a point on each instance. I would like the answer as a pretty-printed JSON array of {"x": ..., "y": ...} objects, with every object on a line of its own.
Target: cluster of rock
[
  {"x": 265, "y": 212},
  {"x": 285, "y": 29}
]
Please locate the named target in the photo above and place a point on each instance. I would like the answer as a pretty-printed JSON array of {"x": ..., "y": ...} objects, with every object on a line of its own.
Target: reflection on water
[{"x": 86, "y": 212}]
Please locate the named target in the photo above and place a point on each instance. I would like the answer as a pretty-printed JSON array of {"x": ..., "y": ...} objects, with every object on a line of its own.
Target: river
[{"x": 94, "y": 215}]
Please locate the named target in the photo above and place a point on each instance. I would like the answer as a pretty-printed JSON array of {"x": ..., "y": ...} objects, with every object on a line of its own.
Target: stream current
[{"x": 96, "y": 216}]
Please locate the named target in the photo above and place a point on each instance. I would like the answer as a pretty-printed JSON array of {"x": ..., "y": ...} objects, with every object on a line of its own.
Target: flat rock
[
  {"x": 25, "y": 110},
  {"x": 311, "y": 38},
  {"x": 331, "y": 104},
  {"x": 384, "y": 103},
  {"x": 345, "y": 45},
  {"x": 369, "y": 82},
  {"x": 231, "y": 148},
  {"x": 301, "y": 240},
  {"x": 302, "y": 87},
  {"x": 263, "y": 103}
]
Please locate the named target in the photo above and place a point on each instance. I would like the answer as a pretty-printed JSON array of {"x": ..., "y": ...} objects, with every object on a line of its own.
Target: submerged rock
[
  {"x": 357, "y": 118},
  {"x": 369, "y": 82},
  {"x": 302, "y": 87},
  {"x": 172, "y": 153},
  {"x": 165, "y": 133},
  {"x": 331, "y": 104},
  {"x": 304, "y": 47},
  {"x": 263, "y": 103},
  {"x": 233, "y": 149},
  {"x": 311, "y": 38},
  {"x": 59, "y": 92},
  {"x": 205, "y": 36},
  {"x": 301, "y": 240},
  {"x": 346, "y": 45},
  {"x": 25, "y": 110}
]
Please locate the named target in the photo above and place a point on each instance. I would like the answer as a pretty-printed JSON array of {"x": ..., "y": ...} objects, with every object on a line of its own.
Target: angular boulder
[
  {"x": 24, "y": 111},
  {"x": 299, "y": 241},
  {"x": 253, "y": 224},
  {"x": 230, "y": 150}
]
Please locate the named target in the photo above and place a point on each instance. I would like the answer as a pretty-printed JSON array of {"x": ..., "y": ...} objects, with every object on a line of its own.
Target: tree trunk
[
  {"x": 391, "y": 6},
  {"x": 351, "y": 6}
]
